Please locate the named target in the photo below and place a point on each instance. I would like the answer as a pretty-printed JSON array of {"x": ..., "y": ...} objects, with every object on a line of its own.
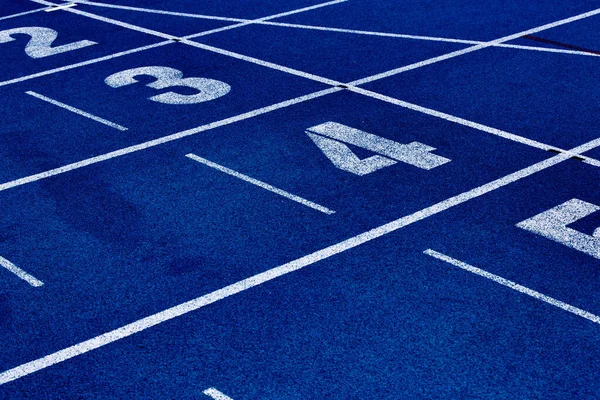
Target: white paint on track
[
  {"x": 261, "y": 184},
  {"x": 84, "y": 63},
  {"x": 216, "y": 395},
  {"x": 515, "y": 286},
  {"x": 256, "y": 280},
  {"x": 4, "y": 263},
  {"x": 162, "y": 140},
  {"x": 60, "y": 7},
  {"x": 23, "y": 13},
  {"x": 76, "y": 111}
]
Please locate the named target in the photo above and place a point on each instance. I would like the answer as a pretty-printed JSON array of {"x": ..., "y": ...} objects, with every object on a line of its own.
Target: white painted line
[
  {"x": 327, "y": 81},
  {"x": 265, "y": 21},
  {"x": 280, "y": 15},
  {"x": 261, "y": 184},
  {"x": 471, "y": 49},
  {"x": 164, "y": 139},
  {"x": 515, "y": 286},
  {"x": 61, "y": 7},
  {"x": 20, "y": 273},
  {"x": 216, "y": 395},
  {"x": 154, "y": 11},
  {"x": 84, "y": 63},
  {"x": 76, "y": 111},
  {"x": 22, "y": 13},
  {"x": 470, "y": 124},
  {"x": 256, "y": 280}
]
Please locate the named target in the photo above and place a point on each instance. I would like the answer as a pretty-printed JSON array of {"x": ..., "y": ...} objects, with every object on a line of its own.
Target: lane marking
[
  {"x": 261, "y": 184},
  {"x": 470, "y": 124},
  {"x": 515, "y": 286},
  {"x": 280, "y": 15},
  {"x": 23, "y": 13},
  {"x": 216, "y": 395},
  {"x": 76, "y": 111},
  {"x": 366, "y": 92},
  {"x": 20, "y": 273},
  {"x": 471, "y": 49},
  {"x": 61, "y": 7},
  {"x": 164, "y": 139},
  {"x": 326, "y": 28},
  {"x": 84, "y": 63},
  {"x": 258, "y": 279}
]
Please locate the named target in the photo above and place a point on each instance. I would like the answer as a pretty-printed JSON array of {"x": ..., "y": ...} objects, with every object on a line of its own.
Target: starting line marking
[
  {"x": 61, "y": 7},
  {"x": 20, "y": 273},
  {"x": 76, "y": 111},
  {"x": 23, "y": 13},
  {"x": 258, "y": 279},
  {"x": 261, "y": 184},
  {"x": 515, "y": 286},
  {"x": 216, "y": 395}
]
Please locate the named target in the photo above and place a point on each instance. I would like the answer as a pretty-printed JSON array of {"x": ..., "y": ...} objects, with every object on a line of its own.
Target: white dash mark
[
  {"x": 515, "y": 286},
  {"x": 20, "y": 273},
  {"x": 261, "y": 184},
  {"x": 61, "y": 7},
  {"x": 216, "y": 395},
  {"x": 77, "y": 111}
]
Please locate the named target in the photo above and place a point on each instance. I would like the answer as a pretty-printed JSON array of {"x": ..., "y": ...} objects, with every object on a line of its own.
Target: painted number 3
[{"x": 208, "y": 89}]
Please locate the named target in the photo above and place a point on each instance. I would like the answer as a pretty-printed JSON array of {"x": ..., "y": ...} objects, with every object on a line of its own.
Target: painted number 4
[
  {"x": 333, "y": 139},
  {"x": 552, "y": 224}
]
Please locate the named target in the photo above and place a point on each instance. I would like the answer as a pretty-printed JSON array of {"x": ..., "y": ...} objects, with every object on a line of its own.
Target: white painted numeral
[
  {"x": 331, "y": 137},
  {"x": 552, "y": 224},
  {"x": 208, "y": 89},
  {"x": 39, "y": 45}
]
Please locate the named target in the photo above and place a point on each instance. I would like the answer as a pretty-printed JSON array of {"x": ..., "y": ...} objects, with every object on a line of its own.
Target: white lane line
[
  {"x": 332, "y": 82},
  {"x": 22, "y": 13},
  {"x": 471, "y": 49},
  {"x": 515, "y": 286},
  {"x": 258, "y": 279},
  {"x": 470, "y": 124},
  {"x": 280, "y": 15},
  {"x": 164, "y": 139},
  {"x": 154, "y": 11},
  {"x": 213, "y": 49},
  {"x": 260, "y": 184},
  {"x": 61, "y": 7},
  {"x": 76, "y": 111},
  {"x": 216, "y": 395},
  {"x": 84, "y": 63},
  {"x": 20, "y": 273}
]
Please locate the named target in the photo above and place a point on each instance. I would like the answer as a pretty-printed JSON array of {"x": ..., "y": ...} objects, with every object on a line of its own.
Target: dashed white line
[
  {"x": 261, "y": 184},
  {"x": 263, "y": 277},
  {"x": 76, "y": 111},
  {"x": 515, "y": 286},
  {"x": 216, "y": 395},
  {"x": 20, "y": 273}
]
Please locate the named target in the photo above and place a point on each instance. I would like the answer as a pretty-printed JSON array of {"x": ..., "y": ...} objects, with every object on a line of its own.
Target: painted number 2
[
  {"x": 40, "y": 44},
  {"x": 208, "y": 89}
]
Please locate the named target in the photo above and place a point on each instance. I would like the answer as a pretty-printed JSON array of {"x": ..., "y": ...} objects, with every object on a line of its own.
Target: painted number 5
[
  {"x": 208, "y": 89},
  {"x": 39, "y": 45}
]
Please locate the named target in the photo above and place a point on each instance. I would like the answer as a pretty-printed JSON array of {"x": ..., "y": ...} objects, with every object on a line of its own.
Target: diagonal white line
[
  {"x": 76, "y": 111},
  {"x": 295, "y": 265},
  {"x": 216, "y": 395},
  {"x": 471, "y": 49},
  {"x": 261, "y": 184},
  {"x": 515, "y": 286},
  {"x": 20, "y": 273},
  {"x": 23, "y": 13},
  {"x": 164, "y": 139}
]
